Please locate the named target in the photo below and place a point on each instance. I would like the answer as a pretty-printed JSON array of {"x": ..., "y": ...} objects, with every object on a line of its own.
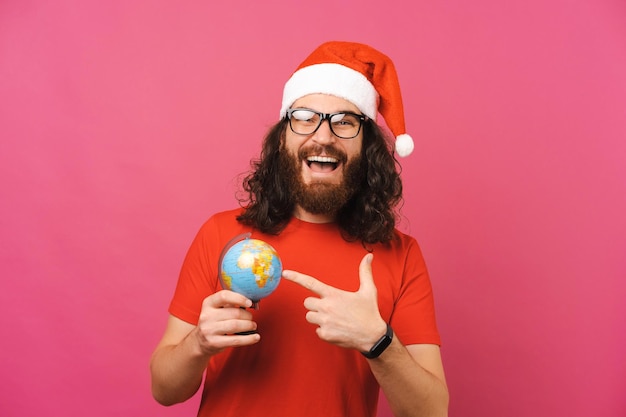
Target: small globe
[{"x": 251, "y": 267}]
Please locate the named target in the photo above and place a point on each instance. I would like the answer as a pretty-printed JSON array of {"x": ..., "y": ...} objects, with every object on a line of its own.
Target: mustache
[{"x": 327, "y": 150}]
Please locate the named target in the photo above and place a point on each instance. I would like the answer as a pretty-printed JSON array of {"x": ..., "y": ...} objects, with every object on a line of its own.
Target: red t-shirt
[{"x": 291, "y": 372}]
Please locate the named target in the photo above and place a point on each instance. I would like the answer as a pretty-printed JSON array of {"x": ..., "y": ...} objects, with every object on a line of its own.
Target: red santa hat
[{"x": 357, "y": 73}]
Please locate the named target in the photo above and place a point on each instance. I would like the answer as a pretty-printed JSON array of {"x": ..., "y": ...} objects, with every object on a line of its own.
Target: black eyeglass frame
[{"x": 326, "y": 116}]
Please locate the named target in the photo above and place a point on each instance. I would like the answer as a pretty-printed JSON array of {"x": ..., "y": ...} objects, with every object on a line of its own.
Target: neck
[{"x": 301, "y": 214}]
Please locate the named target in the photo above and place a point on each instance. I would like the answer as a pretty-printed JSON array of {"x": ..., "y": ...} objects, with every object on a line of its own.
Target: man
[{"x": 354, "y": 312}]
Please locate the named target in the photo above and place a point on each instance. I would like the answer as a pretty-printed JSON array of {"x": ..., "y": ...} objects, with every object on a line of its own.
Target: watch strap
[{"x": 380, "y": 346}]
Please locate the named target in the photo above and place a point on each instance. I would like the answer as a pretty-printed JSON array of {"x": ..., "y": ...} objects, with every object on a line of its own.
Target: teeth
[{"x": 322, "y": 159}]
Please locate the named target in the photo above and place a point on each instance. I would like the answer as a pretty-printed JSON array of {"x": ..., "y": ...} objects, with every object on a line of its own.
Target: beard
[{"x": 319, "y": 197}]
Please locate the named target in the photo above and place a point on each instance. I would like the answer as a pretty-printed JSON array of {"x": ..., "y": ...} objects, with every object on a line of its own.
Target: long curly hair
[{"x": 368, "y": 216}]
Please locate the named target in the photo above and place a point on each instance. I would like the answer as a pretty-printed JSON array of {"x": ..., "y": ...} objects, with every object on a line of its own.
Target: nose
[{"x": 324, "y": 135}]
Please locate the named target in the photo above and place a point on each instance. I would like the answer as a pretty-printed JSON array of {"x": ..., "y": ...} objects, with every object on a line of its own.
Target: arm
[
  {"x": 411, "y": 377},
  {"x": 181, "y": 356}
]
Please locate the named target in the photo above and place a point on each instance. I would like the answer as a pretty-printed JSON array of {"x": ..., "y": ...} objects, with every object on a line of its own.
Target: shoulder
[
  {"x": 402, "y": 242},
  {"x": 402, "y": 249},
  {"x": 223, "y": 223},
  {"x": 223, "y": 218}
]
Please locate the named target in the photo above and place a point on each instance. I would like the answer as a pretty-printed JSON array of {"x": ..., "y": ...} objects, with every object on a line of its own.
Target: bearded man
[{"x": 341, "y": 326}]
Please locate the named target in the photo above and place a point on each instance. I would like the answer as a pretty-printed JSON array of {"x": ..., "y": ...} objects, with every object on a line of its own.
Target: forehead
[{"x": 325, "y": 103}]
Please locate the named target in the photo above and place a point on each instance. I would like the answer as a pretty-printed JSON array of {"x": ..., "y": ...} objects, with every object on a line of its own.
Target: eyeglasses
[{"x": 344, "y": 125}]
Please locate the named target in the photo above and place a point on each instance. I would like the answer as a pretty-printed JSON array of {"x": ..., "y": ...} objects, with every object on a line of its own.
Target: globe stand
[{"x": 255, "y": 306}]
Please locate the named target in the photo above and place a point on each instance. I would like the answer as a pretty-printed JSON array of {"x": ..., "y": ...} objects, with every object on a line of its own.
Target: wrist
[
  {"x": 380, "y": 344},
  {"x": 198, "y": 346}
]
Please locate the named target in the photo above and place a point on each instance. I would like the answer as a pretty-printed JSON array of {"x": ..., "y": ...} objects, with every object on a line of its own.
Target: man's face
[{"x": 323, "y": 170}]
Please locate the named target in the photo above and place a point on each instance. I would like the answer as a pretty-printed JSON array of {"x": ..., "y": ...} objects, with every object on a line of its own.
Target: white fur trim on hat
[
  {"x": 404, "y": 145},
  {"x": 333, "y": 79}
]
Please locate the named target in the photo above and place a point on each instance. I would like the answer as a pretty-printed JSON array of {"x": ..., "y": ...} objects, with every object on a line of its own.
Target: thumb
[{"x": 365, "y": 274}]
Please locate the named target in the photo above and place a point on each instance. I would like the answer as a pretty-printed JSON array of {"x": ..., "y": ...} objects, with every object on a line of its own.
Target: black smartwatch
[{"x": 380, "y": 346}]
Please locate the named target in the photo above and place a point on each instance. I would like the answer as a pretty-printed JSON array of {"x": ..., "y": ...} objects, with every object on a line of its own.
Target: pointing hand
[{"x": 347, "y": 319}]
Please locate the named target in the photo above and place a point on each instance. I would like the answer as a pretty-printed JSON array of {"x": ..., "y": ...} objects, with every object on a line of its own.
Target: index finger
[
  {"x": 307, "y": 282},
  {"x": 224, "y": 298}
]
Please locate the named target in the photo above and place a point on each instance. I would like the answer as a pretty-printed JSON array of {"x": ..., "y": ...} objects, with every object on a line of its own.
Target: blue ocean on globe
[{"x": 251, "y": 267}]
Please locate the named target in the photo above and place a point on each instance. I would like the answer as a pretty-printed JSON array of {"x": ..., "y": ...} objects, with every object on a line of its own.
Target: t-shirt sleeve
[
  {"x": 198, "y": 275},
  {"x": 413, "y": 319}
]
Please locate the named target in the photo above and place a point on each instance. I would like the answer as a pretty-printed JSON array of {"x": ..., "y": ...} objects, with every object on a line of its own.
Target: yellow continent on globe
[
  {"x": 261, "y": 268},
  {"x": 228, "y": 281}
]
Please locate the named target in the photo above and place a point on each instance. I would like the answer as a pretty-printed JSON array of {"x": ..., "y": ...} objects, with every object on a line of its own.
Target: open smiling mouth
[{"x": 322, "y": 163}]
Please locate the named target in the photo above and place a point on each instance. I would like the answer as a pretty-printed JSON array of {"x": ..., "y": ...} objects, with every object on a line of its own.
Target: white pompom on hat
[{"x": 357, "y": 73}]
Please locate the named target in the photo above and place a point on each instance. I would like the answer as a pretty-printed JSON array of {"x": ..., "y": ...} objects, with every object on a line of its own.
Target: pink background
[{"x": 125, "y": 124}]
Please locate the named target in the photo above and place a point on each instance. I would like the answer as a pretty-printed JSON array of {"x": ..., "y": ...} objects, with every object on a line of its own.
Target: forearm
[
  {"x": 177, "y": 370},
  {"x": 410, "y": 389}
]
